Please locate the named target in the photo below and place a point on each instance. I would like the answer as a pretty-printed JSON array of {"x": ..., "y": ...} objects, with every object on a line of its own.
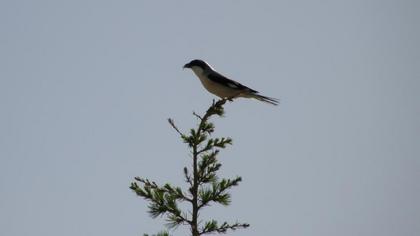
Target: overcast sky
[{"x": 86, "y": 88}]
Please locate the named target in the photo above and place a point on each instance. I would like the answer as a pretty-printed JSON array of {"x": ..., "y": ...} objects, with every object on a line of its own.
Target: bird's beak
[{"x": 186, "y": 66}]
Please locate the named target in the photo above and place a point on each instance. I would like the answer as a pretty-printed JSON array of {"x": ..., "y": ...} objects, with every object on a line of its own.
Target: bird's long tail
[{"x": 272, "y": 101}]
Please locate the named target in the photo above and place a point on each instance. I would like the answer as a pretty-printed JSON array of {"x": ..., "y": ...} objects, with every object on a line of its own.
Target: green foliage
[
  {"x": 204, "y": 185},
  {"x": 212, "y": 227}
]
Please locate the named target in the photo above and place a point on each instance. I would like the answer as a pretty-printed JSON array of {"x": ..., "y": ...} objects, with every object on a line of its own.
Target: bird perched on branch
[{"x": 223, "y": 87}]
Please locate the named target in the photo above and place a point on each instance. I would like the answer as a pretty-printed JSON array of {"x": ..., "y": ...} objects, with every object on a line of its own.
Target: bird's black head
[{"x": 198, "y": 63}]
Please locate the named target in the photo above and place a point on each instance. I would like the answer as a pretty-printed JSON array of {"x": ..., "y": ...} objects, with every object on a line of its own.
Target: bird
[{"x": 221, "y": 86}]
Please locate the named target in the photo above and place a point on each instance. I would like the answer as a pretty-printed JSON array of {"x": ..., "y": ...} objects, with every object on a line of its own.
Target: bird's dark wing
[{"x": 218, "y": 78}]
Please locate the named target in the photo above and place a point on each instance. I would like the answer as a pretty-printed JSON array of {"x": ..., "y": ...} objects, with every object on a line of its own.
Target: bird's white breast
[{"x": 213, "y": 87}]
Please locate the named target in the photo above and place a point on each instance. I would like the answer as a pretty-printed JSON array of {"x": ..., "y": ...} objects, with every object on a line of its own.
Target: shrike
[{"x": 223, "y": 87}]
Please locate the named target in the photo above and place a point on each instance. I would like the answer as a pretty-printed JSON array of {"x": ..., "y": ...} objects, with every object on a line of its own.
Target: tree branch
[
  {"x": 172, "y": 123},
  {"x": 204, "y": 185},
  {"x": 212, "y": 226},
  {"x": 217, "y": 192}
]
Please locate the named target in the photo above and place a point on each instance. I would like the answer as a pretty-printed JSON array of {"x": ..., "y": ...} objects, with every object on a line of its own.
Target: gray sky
[{"x": 86, "y": 88}]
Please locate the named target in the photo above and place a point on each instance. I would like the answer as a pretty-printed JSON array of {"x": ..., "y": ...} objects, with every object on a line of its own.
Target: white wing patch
[{"x": 235, "y": 86}]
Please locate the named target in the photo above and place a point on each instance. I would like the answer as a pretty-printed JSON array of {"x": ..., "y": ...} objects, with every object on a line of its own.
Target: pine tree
[{"x": 205, "y": 187}]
